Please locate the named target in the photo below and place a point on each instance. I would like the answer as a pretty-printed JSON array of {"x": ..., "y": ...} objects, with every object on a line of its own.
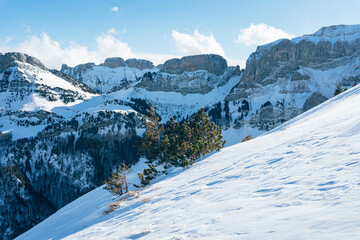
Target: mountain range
[{"x": 62, "y": 132}]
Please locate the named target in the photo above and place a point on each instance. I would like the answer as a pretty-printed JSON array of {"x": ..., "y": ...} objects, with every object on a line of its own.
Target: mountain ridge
[{"x": 64, "y": 134}]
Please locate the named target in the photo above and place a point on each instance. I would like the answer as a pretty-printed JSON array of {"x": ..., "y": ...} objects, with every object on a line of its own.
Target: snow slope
[{"x": 299, "y": 181}]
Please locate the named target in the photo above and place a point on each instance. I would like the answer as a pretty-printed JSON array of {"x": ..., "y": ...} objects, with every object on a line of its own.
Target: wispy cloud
[
  {"x": 27, "y": 28},
  {"x": 6, "y": 40},
  {"x": 258, "y": 34},
  {"x": 114, "y": 9},
  {"x": 196, "y": 43}
]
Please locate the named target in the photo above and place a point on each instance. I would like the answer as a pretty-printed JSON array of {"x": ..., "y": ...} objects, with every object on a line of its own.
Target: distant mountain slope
[
  {"x": 300, "y": 181},
  {"x": 28, "y": 86},
  {"x": 188, "y": 75}
]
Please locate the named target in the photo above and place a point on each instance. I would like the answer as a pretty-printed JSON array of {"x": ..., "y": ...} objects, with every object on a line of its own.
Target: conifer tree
[
  {"x": 151, "y": 143},
  {"x": 118, "y": 182},
  {"x": 178, "y": 144},
  {"x": 170, "y": 142},
  {"x": 206, "y": 135}
]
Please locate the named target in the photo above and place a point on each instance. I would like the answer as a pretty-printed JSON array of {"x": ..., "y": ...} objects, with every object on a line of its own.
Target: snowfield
[{"x": 299, "y": 181}]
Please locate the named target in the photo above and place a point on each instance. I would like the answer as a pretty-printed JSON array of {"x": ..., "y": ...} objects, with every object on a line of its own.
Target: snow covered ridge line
[
  {"x": 342, "y": 33},
  {"x": 188, "y": 75},
  {"x": 297, "y": 182},
  {"x": 333, "y": 34}
]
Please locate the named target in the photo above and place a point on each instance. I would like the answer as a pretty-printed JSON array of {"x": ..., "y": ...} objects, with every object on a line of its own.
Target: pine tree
[
  {"x": 178, "y": 144},
  {"x": 170, "y": 142},
  {"x": 206, "y": 135},
  {"x": 151, "y": 143},
  {"x": 118, "y": 182}
]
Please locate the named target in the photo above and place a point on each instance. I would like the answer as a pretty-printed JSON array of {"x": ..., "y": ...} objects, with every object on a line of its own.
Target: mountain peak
[
  {"x": 338, "y": 30},
  {"x": 332, "y": 34},
  {"x": 7, "y": 59}
]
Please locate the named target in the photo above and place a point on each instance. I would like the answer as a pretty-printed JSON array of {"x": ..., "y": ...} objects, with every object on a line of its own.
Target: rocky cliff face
[
  {"x": 140, "y": 64},
  {"x": 299, "y": 73},
  {"x": 212, "y": 63},
  {"x": 188, "y": 75},
  {"x": 200, "y": 81},
  {"x": 326, "y": 49},
  {"x": 8, "y": 60}
]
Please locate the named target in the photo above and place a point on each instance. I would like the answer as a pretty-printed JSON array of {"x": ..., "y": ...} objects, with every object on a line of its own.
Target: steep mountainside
[
  {"x": 300, "y": 181},
  {"x": 62, "y": 132},
  {"x": 51, "y": 154}
]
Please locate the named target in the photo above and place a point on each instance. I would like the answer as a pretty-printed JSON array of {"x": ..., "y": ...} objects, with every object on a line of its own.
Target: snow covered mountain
[
  {"x": 62, "y": 132},
  {"x": 299, "y": 181}
]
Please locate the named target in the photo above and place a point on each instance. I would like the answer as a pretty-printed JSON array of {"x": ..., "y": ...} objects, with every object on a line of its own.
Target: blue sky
[{"x": 79, "y": 31}]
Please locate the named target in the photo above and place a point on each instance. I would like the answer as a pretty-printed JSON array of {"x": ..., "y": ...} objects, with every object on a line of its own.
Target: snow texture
[{"x": 299, "y": 181}]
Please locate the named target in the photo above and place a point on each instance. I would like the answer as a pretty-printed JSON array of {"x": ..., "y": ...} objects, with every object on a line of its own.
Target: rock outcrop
[
  {"x": 76, "y": 70},
  {"x": 140, "y": 64},
  {"x": 187, "y": 82},
  {"x": 114, "y": 62},
  {"x": 210, "y": 62},
  {"x": 7, "y": 60}
]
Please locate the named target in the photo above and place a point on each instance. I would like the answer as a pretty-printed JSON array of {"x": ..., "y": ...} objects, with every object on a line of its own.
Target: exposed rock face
[
  {"x": 142, "y": 74},
  {"x": 210, "y": 62},
  {"x": 291, "y": 55},
  {"x": 78, "y": 69},
  {"x": 8, "y": 59},
  {"x": 140, "y": 64},
  {"x": 283, "y": 58},
  {"x": 187, "y": 82},
  {"x": 113, "y": 62}
]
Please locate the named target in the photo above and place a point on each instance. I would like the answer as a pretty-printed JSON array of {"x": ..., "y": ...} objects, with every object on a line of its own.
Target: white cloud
[
  {"x": 258, "y": 34},
  {"x": 109, "y": 46},
  {"x": 190, "y": 44},
  {"x": 114, "y": 9},
  {"x": 53, "y": 54}
]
